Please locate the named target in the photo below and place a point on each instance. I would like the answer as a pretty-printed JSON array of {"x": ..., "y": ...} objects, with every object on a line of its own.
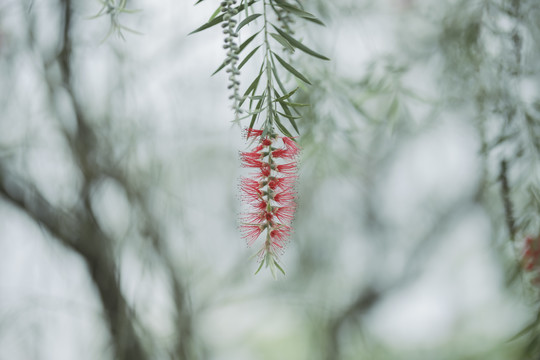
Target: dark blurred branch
[
  {"x": 79, "y": 233},
  {"x": 78, "y": 229},
  {"x": 362, "y": 304},
  {"x": 507, "y": 202},
  {"x": 375, "y": 292},
  {"x": 85, "y": 148},
  {"x": 184, "y": 339},
  {"x": 183, "y": 349}
]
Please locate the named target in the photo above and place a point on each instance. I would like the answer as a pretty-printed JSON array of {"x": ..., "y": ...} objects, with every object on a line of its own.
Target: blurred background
[{"x": 119, "y": 192}]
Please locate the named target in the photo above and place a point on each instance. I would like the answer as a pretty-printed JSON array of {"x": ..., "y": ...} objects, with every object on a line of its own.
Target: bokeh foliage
[{"x": 118, "y": 173}]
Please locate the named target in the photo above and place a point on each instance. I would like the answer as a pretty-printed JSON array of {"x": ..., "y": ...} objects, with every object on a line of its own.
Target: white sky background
[{"x": 47, "y": 306}]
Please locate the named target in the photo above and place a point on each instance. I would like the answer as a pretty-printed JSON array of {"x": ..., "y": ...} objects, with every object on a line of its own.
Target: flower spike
[{"x": 269, "y": 193}]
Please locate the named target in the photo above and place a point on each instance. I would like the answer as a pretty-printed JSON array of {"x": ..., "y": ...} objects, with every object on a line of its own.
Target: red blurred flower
[
  {"x": 269, "y": 192},
  {"x": 531, "y": 253}
]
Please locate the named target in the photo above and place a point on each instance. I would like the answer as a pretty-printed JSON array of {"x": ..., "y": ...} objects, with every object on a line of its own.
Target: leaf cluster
[
  {"x": 269, "y": 92},
  {"x": 113, "y": 9}
]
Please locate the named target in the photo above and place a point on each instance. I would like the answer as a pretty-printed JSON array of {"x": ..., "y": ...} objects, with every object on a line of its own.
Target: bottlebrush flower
[{"x": 269, "y": 193}]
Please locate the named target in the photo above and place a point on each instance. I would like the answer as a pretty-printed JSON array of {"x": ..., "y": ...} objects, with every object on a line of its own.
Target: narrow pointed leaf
[
  {"x": 248, "y": 56},
  {"x": 285, "y": 97},
  {"x": 279, "y": 267},
  {"x": 288, "y": 116},
  {"x": 257, "y": 112},
  {"x": 291, "y": 69},
  {"x": 262, "y": 262},
  {"x": 223, "y": 64},
  {"x": 252, "y": 87},
  {"x": 247, "y": 21},
  {"x": 276, "y": 76},
  {"x": 280, "y": 39},
  {"x": 313, "y": 19},
  {"x": 299, "y": 12},
  {"x": 247, "y": 42},
  {"x": 295, "y": 104},
  {"x": 281, "y": 127},
  {"x": 297, "y": 44},
  {"x": 293, "y": 123},
  {"x": 242, "y": 47},
  {"x": 130, "y": 11},
  {"x": 216, "y": 13},
  {"x": 218, "y": 19}
]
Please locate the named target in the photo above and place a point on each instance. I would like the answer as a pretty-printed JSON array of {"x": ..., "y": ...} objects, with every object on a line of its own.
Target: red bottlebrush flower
[
  {"x": 251, "y": 232},
  {"x": 285, "y": 197},
  {"x": 283, "y": 183},
  {"x": 280, "y": 236},
  {"x": 285, "y": 214},
  {"x": 531, "y": 253},
  {"x": 283, "y": 154},
  {"x": 269, "y": 192},
  {"x": 266, "y": 169},
  {"x": 290, "y": 145},
  {"x": 251, "y": 191},
  {"x": 251, "y": 162},
  {"x": 266, "y": 142},
  {"x": 258, "y": 217},
  {"x": 255, "y": 153},
  {"x": 289, "y": 168},
  {"x": 253, "y": 133}
]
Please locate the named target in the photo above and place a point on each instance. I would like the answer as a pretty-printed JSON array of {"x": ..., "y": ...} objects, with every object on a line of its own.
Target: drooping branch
[{"x": 507, "y": 202}]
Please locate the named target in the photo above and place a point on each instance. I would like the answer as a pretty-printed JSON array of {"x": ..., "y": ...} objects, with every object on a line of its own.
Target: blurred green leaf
[
  {"x": 218, "y": 19},
  {"x": 247, "y": 21},
  {"x": 297, "y": 11},
  {"x": 291, "y": 69},
  {"x": 248, "y": 56},
  {"x": 282, "y": 41},
  {"x": 297, "y": 44}
]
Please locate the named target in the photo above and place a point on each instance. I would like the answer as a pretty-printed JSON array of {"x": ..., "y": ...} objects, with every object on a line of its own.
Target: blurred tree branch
[{"x": 78, "y": 228}]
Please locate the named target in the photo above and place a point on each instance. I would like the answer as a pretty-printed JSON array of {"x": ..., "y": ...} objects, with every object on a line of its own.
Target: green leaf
[
  {"x": 393, "y": 109},
  {"x": 247, "y": 21},
  {"x": 524, "y": 331},
  {"x": 293, "y": 123},
  {"x": 295, "y": 104},
  {"x": 299, "y": 12},
  {"x": 209, "y": 24},
  {"x": 289, "y": 116},
  {"x": 279, "y": 267},
  {"x": 297, "y": 44},
  {"x": 291, "y": 69},
  {"x": 248, "y": 56},
  {"x": 282, "y": 128},
  {"x": 252, "y": 87},
  {"x": 215, "y": 13},
  {"x": 283, "y": 104},
  {"x": 242, "y": 47},
  {"x": 285, "y": 97},
  {"x": 256, "y": 113},
  {"x": 218, "y": 19},
  {"x": 223, "y": 64},
  {"x": 313, "y": 19},
  {"x": 247, "y": 42},
  {"x": 280, "y": 39},
  {"x": 262, "y": 262},
  {"x": 276, "y": 76}
]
